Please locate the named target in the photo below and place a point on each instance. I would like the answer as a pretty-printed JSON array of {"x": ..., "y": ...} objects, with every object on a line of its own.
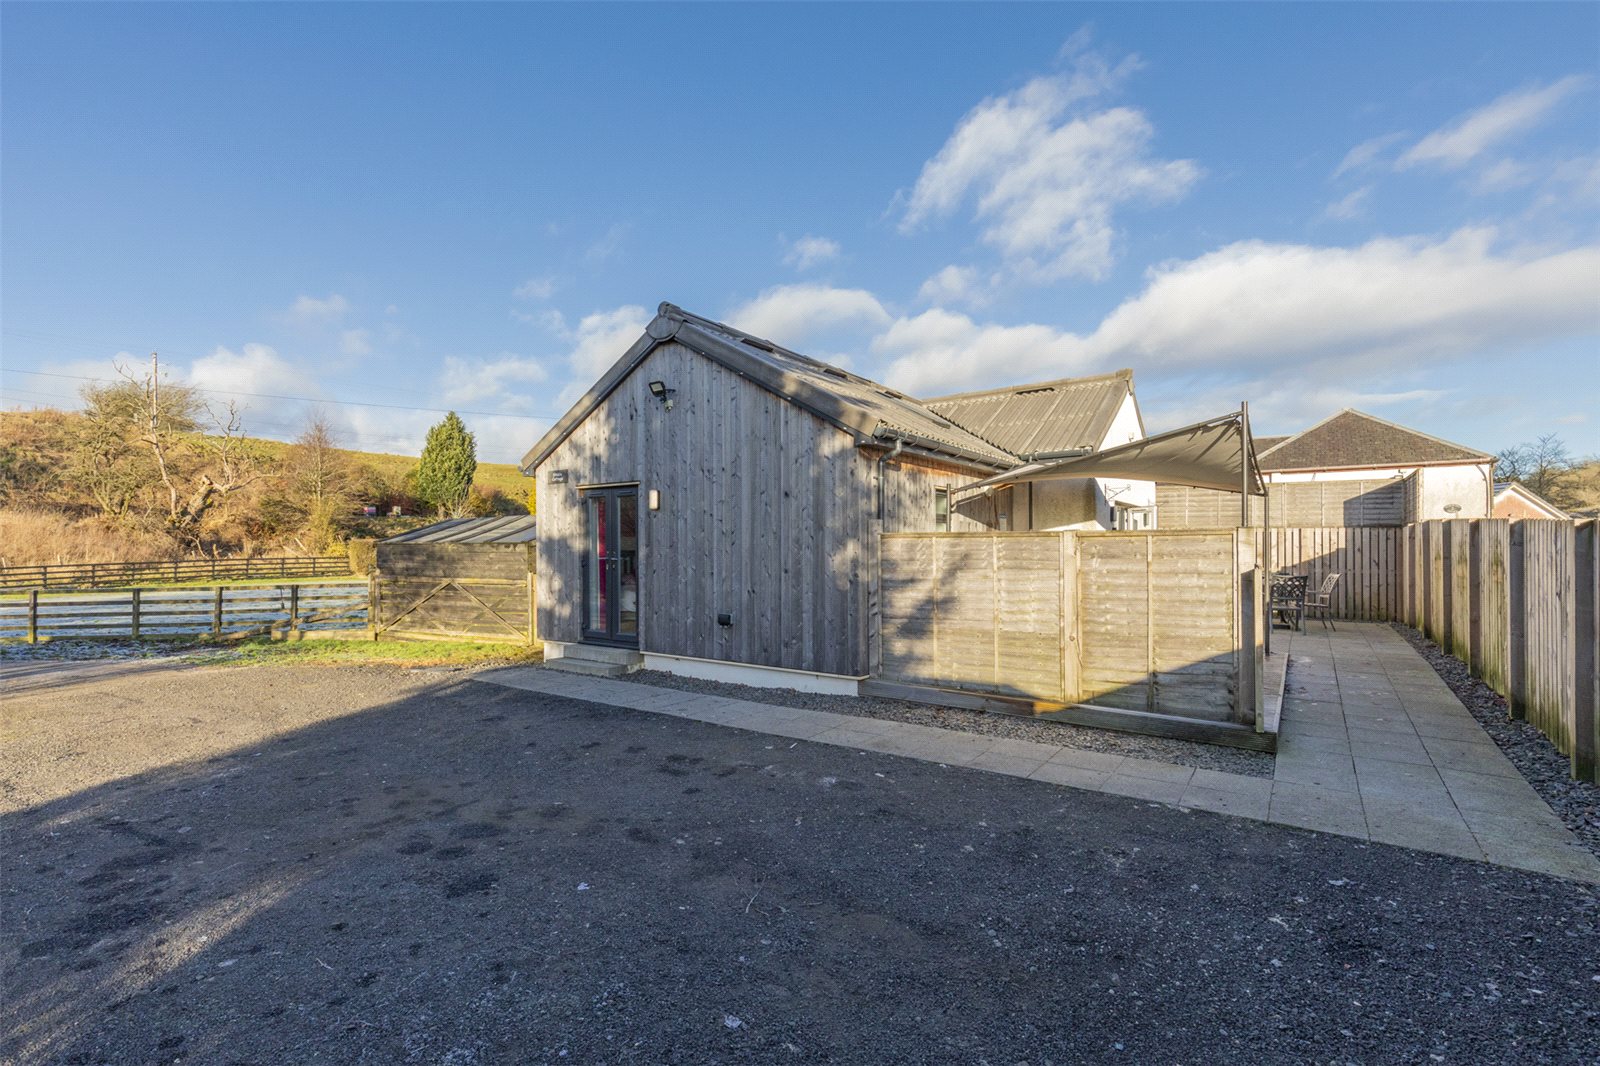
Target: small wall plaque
[{"x": 558, "y": 477}]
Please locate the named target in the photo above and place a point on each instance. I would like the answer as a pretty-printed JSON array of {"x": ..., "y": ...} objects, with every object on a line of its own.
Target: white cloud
[
  {"x": 465, "y": 382},
  {"x": 311, "y": 310},
  {"x": 790, "y": 315},
  {"x": 1048, "y": 176},
  {"x": 598, "y": 342},
  {"x": 607, "y": 246},
  {"x": 1254, "y": 305},
  {"x": 1455, "y": 145},
  {"x": 810, "y": 251},
  {"x": 1351, "y": 206},
  {"x": 540, "y": 288},
  {"x": 253, "y": 368},
  {"x": 355, "y": 342},
  {"x": 1364, "y": 154},
  {"x": 549, "y": 319},
  {"x": 954, "y": 285}
]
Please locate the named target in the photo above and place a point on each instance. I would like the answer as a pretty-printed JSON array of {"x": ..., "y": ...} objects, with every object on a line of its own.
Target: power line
[{"x": 298, "y": 399}]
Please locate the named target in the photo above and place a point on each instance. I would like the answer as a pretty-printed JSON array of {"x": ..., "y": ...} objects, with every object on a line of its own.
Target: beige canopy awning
[{"x": 1207, "y": 455}]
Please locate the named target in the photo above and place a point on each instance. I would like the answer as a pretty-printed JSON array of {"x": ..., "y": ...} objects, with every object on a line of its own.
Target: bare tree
[
  {"x": 321, "y": 477},
  {"x": 1544, "y": 465},
  {"x": 319, "y": 468},
  {"x": 192, "y": 468}
]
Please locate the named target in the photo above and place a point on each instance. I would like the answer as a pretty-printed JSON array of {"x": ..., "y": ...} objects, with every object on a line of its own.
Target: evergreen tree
[{"x": 449, "y": 459}]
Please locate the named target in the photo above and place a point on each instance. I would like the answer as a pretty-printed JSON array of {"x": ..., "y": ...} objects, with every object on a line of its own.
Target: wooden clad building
[
  {"x": 718, "y": 499},
  {"x": 464, "y": 578}
]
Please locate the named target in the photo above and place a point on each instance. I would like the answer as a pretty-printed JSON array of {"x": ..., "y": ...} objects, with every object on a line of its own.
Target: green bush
[{"x": 363, "y": 555}]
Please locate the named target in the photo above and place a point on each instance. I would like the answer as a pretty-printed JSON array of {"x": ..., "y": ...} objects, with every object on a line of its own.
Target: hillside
[
  {"x": 70, "y": 491},
  {"x": 503, "y": 478}
]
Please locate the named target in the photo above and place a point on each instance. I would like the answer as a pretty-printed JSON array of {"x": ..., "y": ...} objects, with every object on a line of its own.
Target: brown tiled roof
[
  {"x": 1354, "y": 439},
  {"x": 1263, "y": 443},
  {"x": 1046, "y": 418}
]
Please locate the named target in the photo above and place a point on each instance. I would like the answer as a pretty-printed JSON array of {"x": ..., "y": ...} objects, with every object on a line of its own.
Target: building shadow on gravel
[{"x": 481, "y": 874}]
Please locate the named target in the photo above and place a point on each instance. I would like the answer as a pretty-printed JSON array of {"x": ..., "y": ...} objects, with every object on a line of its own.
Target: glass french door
[{"x": 611, "y": 565}]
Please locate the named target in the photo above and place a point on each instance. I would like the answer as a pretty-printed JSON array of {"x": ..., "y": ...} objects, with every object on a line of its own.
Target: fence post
[
  {"x": 133, "y": 622},
  {"x": 33, "y": 616},
  {"x": 44, "y": 576},
  {"x": 174, "y": 571},
  {"x": 213, "y": 568},
  {"x": 1517, "y": 609},
  {"x": 372, "y": 604},
  {"x": 216, "y": 613},
  {"x": 283, "y": 567},
  {"x": 1585, "y": 714},
  {"x": 533, "y": 613},
  {"x": 294, "y": 609},
  {"x": 247, "y": 567}
]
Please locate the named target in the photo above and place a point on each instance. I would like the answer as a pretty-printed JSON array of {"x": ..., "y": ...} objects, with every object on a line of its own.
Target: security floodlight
[{"x": 659, "y": 390}]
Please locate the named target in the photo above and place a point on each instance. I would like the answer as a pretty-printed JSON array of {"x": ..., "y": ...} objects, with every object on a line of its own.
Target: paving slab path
[{"x": 1373, "y": 745}]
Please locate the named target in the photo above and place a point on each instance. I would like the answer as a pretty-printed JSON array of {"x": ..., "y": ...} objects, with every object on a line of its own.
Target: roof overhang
[
  {"x": 1213, "y": 454},
  {"x": 673, "y": 325}
]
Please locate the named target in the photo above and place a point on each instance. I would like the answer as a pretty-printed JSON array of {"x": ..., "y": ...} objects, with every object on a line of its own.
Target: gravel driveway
[{"x": 343, "y": 865}]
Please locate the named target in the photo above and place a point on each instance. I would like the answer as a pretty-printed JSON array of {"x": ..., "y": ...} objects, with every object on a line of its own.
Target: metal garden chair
[
  {"x": 1288, "y": 601},
  {"x": 1320, "y": 605}
]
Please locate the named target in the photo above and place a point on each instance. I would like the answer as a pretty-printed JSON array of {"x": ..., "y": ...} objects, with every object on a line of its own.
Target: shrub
[
  {"x": 363, "y": 552},
  {"x": 30, "y": 537}
]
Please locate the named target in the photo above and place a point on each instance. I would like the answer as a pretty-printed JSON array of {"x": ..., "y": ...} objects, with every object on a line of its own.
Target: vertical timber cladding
[
  {"x": 765, "y": 513},
  {"x": 1157, "y": 621}
]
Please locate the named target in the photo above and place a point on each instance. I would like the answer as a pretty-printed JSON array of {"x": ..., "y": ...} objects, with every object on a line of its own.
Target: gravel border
[
  {"x": 1577, "y": 803},
  {"x": 71, "y": 650},
  {"x": 982, "y": 723}
]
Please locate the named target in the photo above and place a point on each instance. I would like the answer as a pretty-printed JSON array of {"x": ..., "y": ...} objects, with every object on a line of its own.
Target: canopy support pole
[{"x": 1244, "y": 463}]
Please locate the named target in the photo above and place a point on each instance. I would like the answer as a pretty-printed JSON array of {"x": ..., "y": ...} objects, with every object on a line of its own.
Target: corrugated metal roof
[
  {"x": 1041, "y": 419},
  {"x": 507, "y": 529},
  {"x": 1353, "y": 438}
]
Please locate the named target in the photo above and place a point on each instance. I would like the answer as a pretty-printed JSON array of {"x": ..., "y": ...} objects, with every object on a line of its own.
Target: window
[
  {"x": 941, "y": 510},
  {"x": 1128, "y": 517}
]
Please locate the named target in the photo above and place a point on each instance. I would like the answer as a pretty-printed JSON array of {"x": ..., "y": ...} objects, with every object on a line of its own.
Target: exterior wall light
[{"x": 659, "y": 390}]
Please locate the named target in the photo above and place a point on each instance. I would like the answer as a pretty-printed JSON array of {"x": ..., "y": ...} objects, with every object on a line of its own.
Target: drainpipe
[{"x": 883, "y": 461}]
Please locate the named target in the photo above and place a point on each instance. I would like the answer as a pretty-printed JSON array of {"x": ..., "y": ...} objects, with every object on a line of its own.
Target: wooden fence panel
[
  {"x": 1113, "y": 624},
  {"x": 1458, "y": 542},
  {"x": 1491, "y": 580},
  {"x": 1146, "y": 622},
  {"x": 1192, "y": 591},
  {"x": 1366, "y": 558},
  {"x": 1029, "y": 651},
  {"x": 908, "y": 590}
]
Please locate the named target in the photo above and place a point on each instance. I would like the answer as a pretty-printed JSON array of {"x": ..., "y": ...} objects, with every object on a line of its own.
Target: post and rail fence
[
  {"x": 219, "y": 612},
  {"x": 174, "y": 571}
]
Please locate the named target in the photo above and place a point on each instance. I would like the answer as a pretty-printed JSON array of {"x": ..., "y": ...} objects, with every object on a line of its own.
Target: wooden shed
[{"x": 463, "y": 579}]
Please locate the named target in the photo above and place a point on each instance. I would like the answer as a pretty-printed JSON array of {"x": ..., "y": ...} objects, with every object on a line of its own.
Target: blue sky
[{"x": 1392, "y": 207}]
